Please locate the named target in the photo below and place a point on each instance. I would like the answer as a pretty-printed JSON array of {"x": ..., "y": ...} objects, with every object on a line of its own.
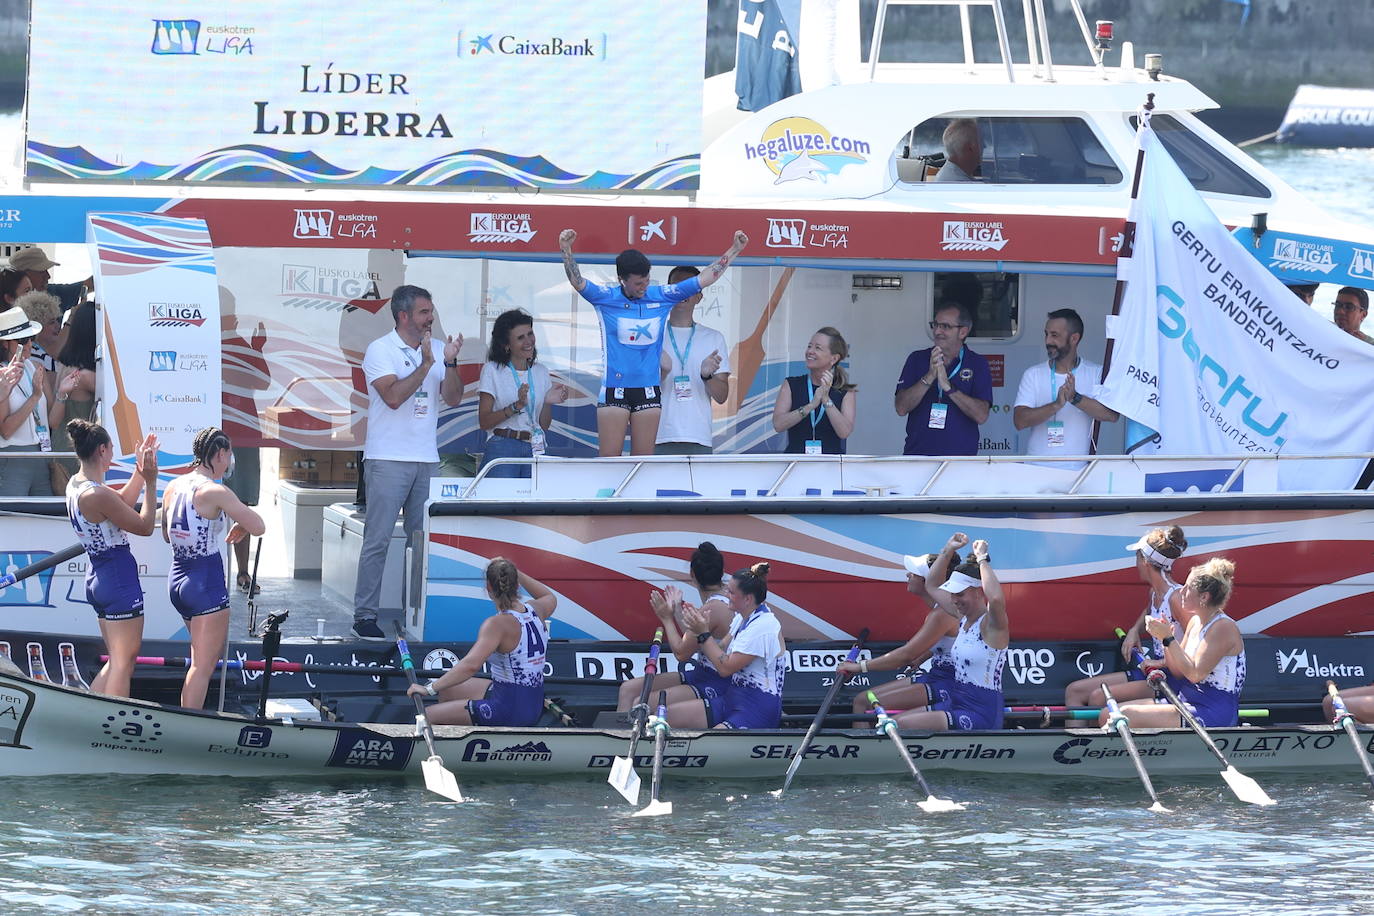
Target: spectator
[
  {"x": 1304, "y": 291},
  {"x": 33, "y": 262},
  {"x": 963, "y": 151},
  {"x": 632, "y": 317},
  {"x": 1048, "y": 402},
  {"x": 825, "y": 418},
  {"x": 518, "y": 426},
  {"x": 45, "y": 311},
  {"x": 945, "y": 392},
  {"x": 75, "y": 398},
  {"x": 24, "y": 411},
  {"x": 404, "y": 381},
  {"x": 690, "y": 384},
  {"x": 1351, "y": 309},
  {"x": 13, "y": 284}
]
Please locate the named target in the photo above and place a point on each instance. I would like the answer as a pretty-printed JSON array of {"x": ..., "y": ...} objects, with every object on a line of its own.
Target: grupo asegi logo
[{"x": 797, "y": 148}]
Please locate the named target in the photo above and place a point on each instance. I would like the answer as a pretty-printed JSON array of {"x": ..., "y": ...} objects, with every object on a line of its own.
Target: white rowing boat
[{"x": 49, "y": 730}]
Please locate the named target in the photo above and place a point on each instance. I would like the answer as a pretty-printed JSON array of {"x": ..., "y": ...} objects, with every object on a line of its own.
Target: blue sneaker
[{"x": 368, "y": 629}]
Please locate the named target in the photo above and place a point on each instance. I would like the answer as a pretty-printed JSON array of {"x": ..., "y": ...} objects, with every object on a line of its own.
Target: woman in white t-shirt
[
  {"x": 515, "y": 395},
  {"x": 23, "y": 409}
]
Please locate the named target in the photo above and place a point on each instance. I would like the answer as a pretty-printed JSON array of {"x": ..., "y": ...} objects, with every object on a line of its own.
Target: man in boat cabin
[
  {"x": 963, "y": 151},
  {"x": 633, "y": 314},
  {"x": 1057, "y": 417},
  {"x": 407, "y": 373},
  {"x": 1351, "y": 308},
  {"x": 945, "y": 392}
]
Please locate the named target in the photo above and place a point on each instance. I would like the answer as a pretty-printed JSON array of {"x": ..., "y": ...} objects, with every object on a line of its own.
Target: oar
[
  {"x": 43, "y": 565},
  {"x": 1345, "y": 720},
  {"x": 1245, "y": 788},
  {"x": 623, "y": 777},
  {"x": 886, "y": 725},
  {"x": 658, "y": 724},
  {"x": 1092, "y": 712},
  {"x": 439, "y": 779},
  {"x": 1122, "y": 726},
  {"x": 820, "y": 713}
]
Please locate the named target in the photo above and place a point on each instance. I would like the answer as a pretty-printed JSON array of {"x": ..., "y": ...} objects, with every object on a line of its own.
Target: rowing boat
[{"x": 50, "y": 730}]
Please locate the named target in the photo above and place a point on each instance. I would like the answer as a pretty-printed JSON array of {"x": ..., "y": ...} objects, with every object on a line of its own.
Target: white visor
[
  {"x": 917, "y": 566},
  {"x": 1154, "y": 556},
  {"x": 959, "y": 581}
]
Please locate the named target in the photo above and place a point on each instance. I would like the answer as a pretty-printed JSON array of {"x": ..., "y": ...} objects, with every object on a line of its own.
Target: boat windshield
[
  {"x": 1019, "y": 149},
  {"x": 1206, "y": 167}
]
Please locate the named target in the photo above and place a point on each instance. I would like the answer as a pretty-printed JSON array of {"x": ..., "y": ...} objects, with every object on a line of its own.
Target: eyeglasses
[
  {"x": 942, "y": 326},
  {"x": 1349, "y": 306}
]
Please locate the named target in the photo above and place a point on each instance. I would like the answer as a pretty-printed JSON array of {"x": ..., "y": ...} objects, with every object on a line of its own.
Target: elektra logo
[
  {"x": 1308, "y": 257},
  {"x": 1361, "y": 262},
  {"x": 1305, "y": 664},
  {"x": 175, "y": 315},
  {"x": 500, "y": 227},
  {"x": 593, "y": 48},
  {"x": 798, "y": 148},
  {"x": 965, "y": 235},
  {"x": 175, "y": 36}
]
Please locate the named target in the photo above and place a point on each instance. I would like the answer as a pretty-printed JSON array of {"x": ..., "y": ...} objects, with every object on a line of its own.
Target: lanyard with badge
[
  {"x": 40, "y": 412},
  {"x": 813, "y": 445},
  {"x": 682, "y": 384},
  {"x": 939, "y": 411},
  {"x": 421, "y": 403},
  {"x": 536, "y": 431},
  {"x": 1055, "y": 428}
]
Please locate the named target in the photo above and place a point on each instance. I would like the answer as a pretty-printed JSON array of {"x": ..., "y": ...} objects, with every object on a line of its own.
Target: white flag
[{"x": 1218, "y": 357}]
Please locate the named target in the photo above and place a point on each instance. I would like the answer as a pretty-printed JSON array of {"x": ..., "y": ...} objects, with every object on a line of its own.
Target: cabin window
[
  {"x": 1206, "y": 166},
  {"x": 993, "y": 297},
  {"x": 1016, "y": 150}
]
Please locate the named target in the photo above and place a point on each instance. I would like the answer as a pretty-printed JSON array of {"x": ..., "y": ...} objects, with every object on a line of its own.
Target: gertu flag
[{"x": 1217, "y": 357}]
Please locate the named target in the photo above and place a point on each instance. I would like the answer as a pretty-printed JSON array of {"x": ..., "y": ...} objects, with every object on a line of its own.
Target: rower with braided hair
[{"x": 195, "y": 506}]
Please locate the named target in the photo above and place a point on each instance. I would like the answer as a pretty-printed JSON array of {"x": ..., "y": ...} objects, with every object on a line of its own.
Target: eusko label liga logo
[{"x": 175, "y": 315}]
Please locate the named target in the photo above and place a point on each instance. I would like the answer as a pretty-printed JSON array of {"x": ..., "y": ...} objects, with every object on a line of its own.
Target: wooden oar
[
  {"x": 887, "y": 726},
  {"x": 658, "y": 724},
  {"x": 1122, "y": 726},
  {"x": 821, "y": 713},
  {"x": 623, "y": 777},
  {"x": 1245, "y": 788},
  {"x": 439, "y": 779},
  {"x": 43, "y": 565},
  {"x": 1345, "y": 720},
  {"x": 749, "y": 352}
]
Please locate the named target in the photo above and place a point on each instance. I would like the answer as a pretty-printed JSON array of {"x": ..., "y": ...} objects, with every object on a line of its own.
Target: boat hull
[{"x": 48, "y": 730}]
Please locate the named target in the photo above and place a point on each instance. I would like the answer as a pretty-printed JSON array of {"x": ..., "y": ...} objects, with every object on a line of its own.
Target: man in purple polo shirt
[{"x": 945, "y": 392}]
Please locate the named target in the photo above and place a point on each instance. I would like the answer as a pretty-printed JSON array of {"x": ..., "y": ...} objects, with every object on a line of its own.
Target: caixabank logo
[
  {"x": 175, "y": 315},
  {"x": 481, "y": 43}
]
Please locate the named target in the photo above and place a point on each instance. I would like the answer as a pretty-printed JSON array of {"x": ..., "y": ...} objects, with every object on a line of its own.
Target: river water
[{"x": 160, "y": 845}]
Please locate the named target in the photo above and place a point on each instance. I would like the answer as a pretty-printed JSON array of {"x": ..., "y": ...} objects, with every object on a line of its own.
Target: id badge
[
  {"x": 682, "y": 387},
  {"x": 938, "y": 412},
  {"x": 813, "y": 446},
  {"x": 537, "y": 441},
  {"x": 44, "y": 437},
  {"x": 1056, "y": 433},
  {"x": 421, "y": 403}
]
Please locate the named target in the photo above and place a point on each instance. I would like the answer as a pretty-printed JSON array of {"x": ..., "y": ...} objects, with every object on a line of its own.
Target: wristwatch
[
  {"x": 451, "y": 365},
  {"x": 431, "y": 690},
  {"x": 1075, "y": 399},
  {"x": 707, "y": 378},
  {"x": 702, "y": 637},
  {"x": 1167, "y": 641}
]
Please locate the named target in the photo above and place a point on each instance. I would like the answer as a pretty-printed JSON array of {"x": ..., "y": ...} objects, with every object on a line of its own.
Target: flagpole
[{"x": 1127, "y": 251}]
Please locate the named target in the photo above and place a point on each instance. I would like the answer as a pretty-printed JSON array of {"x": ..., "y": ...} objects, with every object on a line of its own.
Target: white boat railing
[{"x": 851, "y": 477}]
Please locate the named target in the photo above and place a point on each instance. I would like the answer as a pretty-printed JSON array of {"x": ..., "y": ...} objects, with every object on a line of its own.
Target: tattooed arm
[
  {"x": 565, "y": 243},
  {"x": 717, "y": 268}
]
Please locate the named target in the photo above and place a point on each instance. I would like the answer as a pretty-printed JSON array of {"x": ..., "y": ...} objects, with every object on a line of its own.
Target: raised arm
[
  {"x": 996, "y": 627},
  {"x": 565, "y": 243},
  {"x": 542, "y": 599},
  {"x": 939, "y": 572},
  {"x": 717, "y": 269},
  {"x": 451, "y": 388}
]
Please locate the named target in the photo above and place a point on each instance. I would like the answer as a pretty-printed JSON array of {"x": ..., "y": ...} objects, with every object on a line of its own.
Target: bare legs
[
  {"x": 208, "y": 632},
  {"x": 122, "y": 640},
  {"x": 611, "y": 424}
]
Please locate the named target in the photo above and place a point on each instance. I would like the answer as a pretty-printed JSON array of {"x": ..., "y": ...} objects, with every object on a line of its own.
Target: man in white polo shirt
[
  {"x": 1056, "y": 414},
  {"x": 407, "y": 373},
  {"x": 696, "y": 371}
]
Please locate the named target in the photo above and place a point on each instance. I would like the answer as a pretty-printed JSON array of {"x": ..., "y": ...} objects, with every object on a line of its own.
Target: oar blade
[
  {"x": 655, "y": 809},
  {"x": 1245, "y": 788},
  {"x": 932, "y": 805},
  {"x": 624, "y": 779},
  {"x": 1157, "y": 808},
  {"x": 440, "y": 780}
]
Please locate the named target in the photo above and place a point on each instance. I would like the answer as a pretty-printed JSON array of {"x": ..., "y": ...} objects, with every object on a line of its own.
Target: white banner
[
  {"x": 1218, "y": 356},
  {"x": 161, "y": 332},
  {"x": 596, "y": 94}
]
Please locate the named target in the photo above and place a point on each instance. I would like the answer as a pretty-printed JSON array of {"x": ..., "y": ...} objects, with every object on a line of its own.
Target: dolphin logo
[{"x": 801, "y": 166}]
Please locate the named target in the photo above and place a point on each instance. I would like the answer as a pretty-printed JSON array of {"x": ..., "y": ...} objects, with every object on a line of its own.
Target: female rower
[
  {"x": 817, "y": 409},
  {"x": 934, "y": 640},
  {"x": 101, "y": 516},
  {"x": 512, "y": 378},
  {"x": 701, "y": 680},
  {"x": 1359, "y": 702},
  {"x": 973, "y": 594},
  {"x": 513, "y": 639},
  {"x": 1155, "y": 554},
  {"x": 1206, "y": 666},
  {"x": 755, "y": 663},
  {"x": 195, "y": 506}
]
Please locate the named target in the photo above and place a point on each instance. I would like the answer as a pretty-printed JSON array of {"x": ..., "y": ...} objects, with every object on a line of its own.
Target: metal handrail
[{"x": 1003, "y": 45}]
